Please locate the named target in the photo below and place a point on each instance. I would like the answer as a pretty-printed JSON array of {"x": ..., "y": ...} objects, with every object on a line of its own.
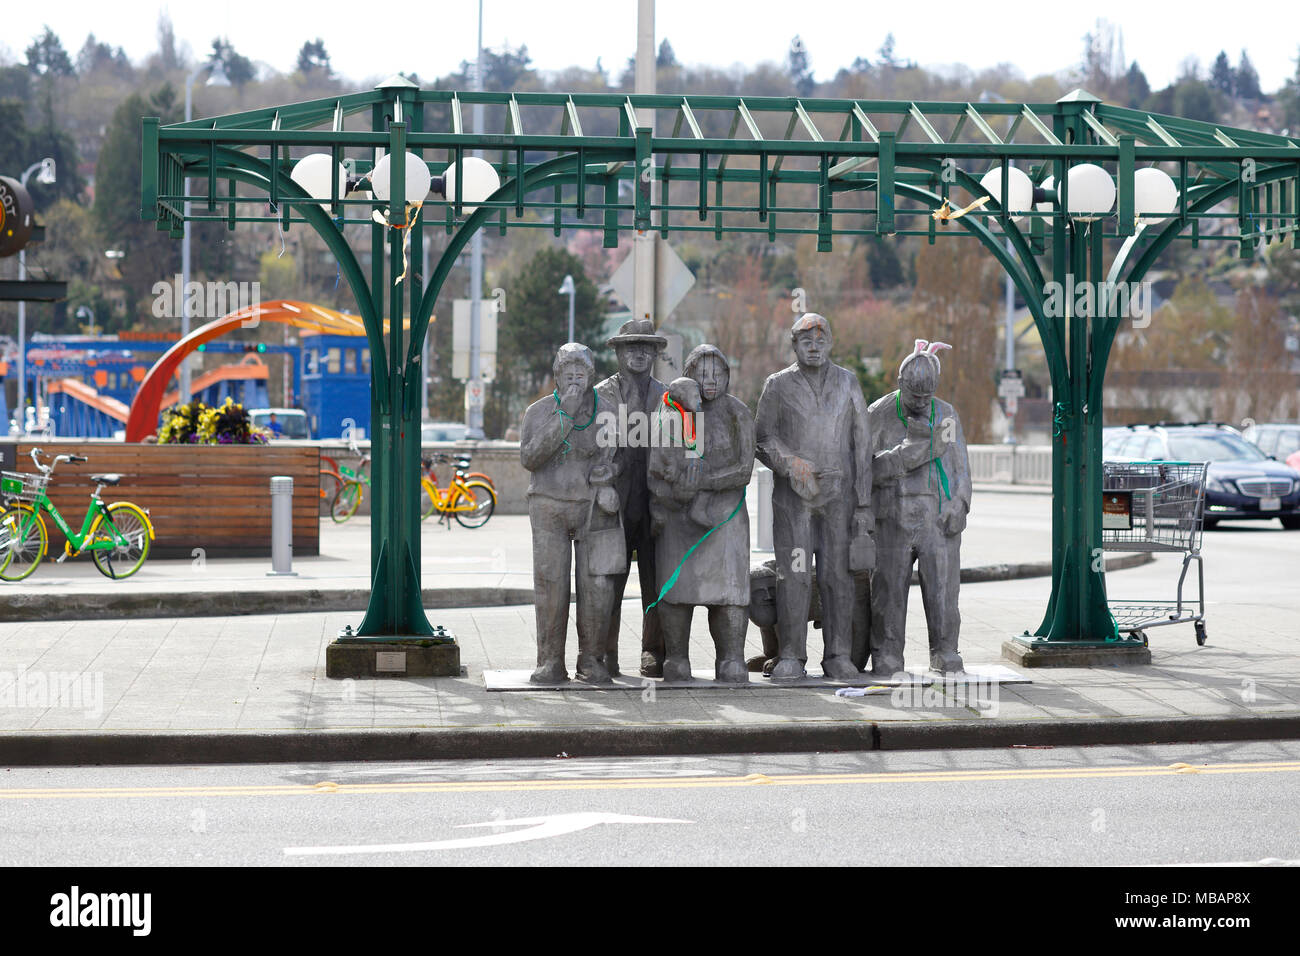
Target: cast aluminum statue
[
  {"x": 633, "y": 394},
  {"x": 570, "y": 494},
  {"x": 698, "y": 485},
  {"x": 812, "y": 430},
  {"x": 922, "y": 495}
]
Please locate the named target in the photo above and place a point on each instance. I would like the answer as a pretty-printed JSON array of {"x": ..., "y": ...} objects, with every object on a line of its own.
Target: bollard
[{"x": 281, "y": 526}]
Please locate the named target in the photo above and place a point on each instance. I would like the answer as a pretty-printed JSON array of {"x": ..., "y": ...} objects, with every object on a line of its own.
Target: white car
[{"x": 289, "y": 422}]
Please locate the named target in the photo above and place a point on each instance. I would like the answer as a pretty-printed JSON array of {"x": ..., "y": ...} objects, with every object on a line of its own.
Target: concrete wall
[{"x": 1014, "y": 464}]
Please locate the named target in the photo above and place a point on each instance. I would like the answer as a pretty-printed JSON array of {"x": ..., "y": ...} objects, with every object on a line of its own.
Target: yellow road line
[{"x": 653, "y": 783}]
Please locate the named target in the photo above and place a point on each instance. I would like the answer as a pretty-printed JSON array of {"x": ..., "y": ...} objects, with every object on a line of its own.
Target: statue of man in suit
[
  {"x": 812, "y": 431},
  {"x": 921, "y": 475}
]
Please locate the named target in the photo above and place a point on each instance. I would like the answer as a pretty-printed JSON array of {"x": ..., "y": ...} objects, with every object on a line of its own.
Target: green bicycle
[
  {"x": 117, "y": 535},
  {"x": 348, "y": 497}
]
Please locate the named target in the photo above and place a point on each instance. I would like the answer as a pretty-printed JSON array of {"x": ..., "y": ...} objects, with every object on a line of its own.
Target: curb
[
  {"x": 101, "y": 605},
  {"x": 120, "y": 749}
]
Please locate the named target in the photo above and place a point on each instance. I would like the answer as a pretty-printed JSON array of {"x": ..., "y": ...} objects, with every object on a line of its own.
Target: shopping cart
[{"x": 1156, "y": 506}]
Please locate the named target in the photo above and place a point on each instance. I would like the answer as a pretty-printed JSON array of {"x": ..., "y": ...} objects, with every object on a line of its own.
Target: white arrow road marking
[{"x": 539, "y": 828}]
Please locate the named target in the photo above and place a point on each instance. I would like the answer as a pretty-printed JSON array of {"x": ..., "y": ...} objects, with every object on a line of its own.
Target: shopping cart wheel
[
  {"x": 1138, "y": 634},
  {"x": 1200, "y": 633}
]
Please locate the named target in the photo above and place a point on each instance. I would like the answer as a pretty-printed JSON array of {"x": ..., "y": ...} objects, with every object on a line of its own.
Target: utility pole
[
  {"x": 643, "y": 243},
  {"x": 474, "y": 412}
]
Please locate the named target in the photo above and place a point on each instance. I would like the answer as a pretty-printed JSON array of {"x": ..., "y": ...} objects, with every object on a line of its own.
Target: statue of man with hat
[
  {"x": 812, "y": 430},
  {"x": 633, "y": 394}
]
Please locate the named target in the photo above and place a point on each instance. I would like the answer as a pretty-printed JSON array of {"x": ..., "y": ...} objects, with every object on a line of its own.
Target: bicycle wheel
[
  {"x": 330, "y": 483},
  {"x": 131, "y": 546},
  {"x": 484, "y": 503},
  {"x": 23, "y": 542},
  {"x": 428, "y": 498},
  {"x": 346, "y": 500}
]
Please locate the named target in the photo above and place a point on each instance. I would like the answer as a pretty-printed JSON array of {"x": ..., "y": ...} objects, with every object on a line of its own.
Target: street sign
[
  {"x": 1012, "y": 384},
  {"x": 474, "y": 392},
  {"x": 487, "y": 329},
  {"x": 672, "y": 280}
]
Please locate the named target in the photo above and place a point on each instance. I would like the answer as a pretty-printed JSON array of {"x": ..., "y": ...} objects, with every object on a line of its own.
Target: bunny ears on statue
[{"x": 928, "y": 349}]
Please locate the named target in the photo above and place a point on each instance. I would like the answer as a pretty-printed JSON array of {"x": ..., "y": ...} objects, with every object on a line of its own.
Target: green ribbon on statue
[
  {"x": 678, "y": 570},
  {"x": 943, "y": 475}
]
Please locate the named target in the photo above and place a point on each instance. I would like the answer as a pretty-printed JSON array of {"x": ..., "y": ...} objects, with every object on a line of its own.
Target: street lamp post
[
  {"x": 217, "y": 78},
  {"x": 47, "y": 177},
  {"x": 567, "y": 288}
]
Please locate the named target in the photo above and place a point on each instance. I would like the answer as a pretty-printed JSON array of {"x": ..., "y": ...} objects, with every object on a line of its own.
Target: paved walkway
[
  {"x": 461, "y": 567},
  {"x": 261, "y": 678}
]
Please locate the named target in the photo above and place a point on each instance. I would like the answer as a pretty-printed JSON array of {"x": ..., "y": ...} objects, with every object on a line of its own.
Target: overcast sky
[{"x": 1037, "y": 38}]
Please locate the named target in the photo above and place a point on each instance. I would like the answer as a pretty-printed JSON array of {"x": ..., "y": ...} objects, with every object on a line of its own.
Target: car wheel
[
  {"x": 1291, "y": 522},
  {"x": 1211, "y": 523}
]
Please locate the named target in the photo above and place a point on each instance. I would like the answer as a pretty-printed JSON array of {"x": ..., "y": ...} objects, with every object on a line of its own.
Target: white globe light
[
  {"x": 1020, "y": 190},
  {"x": 1155, "y": 196},
  {"x": 312, "y": 173},
  {"x": 1092, "y": 192},
  {"x": 418, "y": 179},
  {"x": 480, "y": 180}
]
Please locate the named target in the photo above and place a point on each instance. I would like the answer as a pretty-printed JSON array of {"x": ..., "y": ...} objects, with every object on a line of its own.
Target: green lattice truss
[{"x": 732, "y": 165}]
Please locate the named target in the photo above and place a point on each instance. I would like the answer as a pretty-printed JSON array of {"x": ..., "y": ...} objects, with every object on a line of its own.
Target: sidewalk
[
  {"x": 461, "y": 567},
  {"x": 254, "y": 689}
]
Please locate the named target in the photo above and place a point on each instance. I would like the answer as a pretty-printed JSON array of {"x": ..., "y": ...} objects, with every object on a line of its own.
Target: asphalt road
[{"x": 1211, "y": 804}]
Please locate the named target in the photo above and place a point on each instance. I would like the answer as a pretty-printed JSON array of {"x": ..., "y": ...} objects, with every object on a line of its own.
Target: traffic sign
[
  {"x": 473, "y": 394},
  {"x": 673, "y": 279},
  {"x": 1012, "y": 384}
]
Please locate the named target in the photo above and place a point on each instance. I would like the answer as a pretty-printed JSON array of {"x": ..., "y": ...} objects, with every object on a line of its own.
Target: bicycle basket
[{"x": 18, "y": 486}]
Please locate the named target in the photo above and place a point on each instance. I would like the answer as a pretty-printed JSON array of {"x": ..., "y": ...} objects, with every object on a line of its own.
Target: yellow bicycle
[{"x": 470, "y": 501}]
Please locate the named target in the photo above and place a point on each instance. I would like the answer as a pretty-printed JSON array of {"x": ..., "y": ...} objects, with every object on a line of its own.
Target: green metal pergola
[{"x": 734, "y": 165}]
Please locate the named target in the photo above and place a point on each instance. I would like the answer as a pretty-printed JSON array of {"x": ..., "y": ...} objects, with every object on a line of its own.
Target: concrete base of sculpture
[
  {"x": 517, "y": 680},
  {"x": 355, "y": 657},
  {"x": 1027, "y": 653}
]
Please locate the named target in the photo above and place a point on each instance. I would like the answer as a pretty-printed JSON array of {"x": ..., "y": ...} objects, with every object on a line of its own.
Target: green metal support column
[{"x": 395, "y": 608}]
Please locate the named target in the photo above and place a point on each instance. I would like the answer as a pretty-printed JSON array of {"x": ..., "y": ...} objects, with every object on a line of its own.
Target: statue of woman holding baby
[{"x": 697, "y": 485}]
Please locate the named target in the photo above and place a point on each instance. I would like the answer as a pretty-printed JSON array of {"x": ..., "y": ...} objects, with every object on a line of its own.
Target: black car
[{"x": 1242, "y": 482}]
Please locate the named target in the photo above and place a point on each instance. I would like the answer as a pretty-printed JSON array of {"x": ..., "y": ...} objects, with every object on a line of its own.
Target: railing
[{"x": 1011, "y": 464}]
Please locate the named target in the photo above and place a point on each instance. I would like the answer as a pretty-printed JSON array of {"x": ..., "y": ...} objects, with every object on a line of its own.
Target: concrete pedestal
[
  {"x": 357, "y": 657},
  {"x": 1025, "y": 652}
]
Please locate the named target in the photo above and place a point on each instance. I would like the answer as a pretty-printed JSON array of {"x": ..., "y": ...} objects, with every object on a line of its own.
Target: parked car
[
  {"x": 442, "y": 431},
  {"x": 1242, "y": 482},
  {"x": 289, "y": 422},
  {"x": 1277, "y": 441}
]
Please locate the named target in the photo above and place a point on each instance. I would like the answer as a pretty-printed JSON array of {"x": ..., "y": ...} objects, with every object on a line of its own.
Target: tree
[
  {"x": 46, "y": 56},
  {"x": 1289, "y": 100},
  {"x": 666, "y": 57},
  {"x": 1136, "y": 87},
  {"x": 1222, "y": 77},
  {"x": 800, "y": 68},
  {"x": 239, "y": 69},
  {"x": 958, "y": 301},
  {"x": 886, "y": 52},
  {"x": 150, "y": 255},
  {"x": 1247, "y": 79},
  {"x": 534, "y": 326},
  {"x": 313, "y": 58},
  {"x": 166, "y": 59}
]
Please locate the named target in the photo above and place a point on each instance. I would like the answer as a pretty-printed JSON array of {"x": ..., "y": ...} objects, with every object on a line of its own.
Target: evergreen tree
[
  {"x": 1222, "y": 77},
  {"x": 313, "y": 58},
  {"x": 666, "y": 57},
  {"x": 46, "y": 56},
  {"x": 1136, "y": 86},
  {"x": 239, "y": 69},
  {"x": 534, "y": 326},
  {"x": 1247, "y": 80},
  {"x": 800, "y": 68}
]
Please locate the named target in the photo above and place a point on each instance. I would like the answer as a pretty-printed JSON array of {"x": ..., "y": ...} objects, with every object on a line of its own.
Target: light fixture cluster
[
  {"x": 1091, "y": 193},
  {"x": 479, "y": 179}
]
